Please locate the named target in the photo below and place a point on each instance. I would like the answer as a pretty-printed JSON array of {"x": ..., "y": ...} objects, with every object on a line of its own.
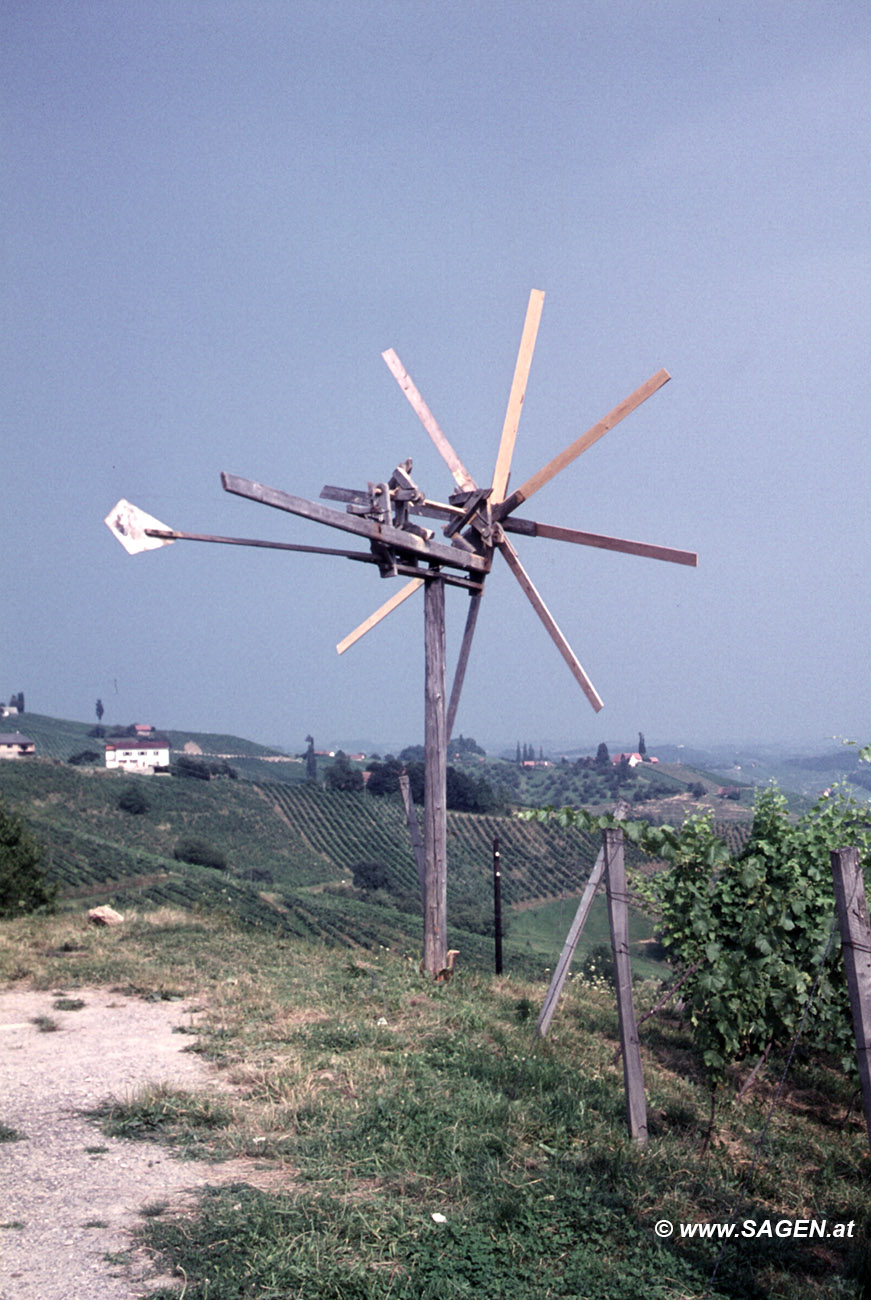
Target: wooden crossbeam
[{"x": 396, "y": 538}]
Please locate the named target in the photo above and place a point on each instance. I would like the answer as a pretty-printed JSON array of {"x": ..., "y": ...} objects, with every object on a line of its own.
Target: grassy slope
[{"x": 372, "y": 1100}]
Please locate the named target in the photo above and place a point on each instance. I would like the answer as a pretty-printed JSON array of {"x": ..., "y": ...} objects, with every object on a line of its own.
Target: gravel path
[{"x": 53, "y": 1183}]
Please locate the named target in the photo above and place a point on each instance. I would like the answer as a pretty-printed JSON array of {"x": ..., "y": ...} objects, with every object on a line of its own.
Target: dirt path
[{"x": 63, "y": 1174}]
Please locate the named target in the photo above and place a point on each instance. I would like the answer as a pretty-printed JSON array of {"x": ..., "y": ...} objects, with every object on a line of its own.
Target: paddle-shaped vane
[{"x": 474, "y": 524}]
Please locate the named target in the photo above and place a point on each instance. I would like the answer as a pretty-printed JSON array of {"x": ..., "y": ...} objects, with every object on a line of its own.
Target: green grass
[
  {"x": 372, "y": 1099},
  {"x": 170, "y": 1116},
  {"x": 542, "y": 932}
]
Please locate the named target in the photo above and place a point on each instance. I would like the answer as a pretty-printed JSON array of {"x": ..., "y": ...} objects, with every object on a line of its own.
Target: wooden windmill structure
[{"x": 470, "y": 528}]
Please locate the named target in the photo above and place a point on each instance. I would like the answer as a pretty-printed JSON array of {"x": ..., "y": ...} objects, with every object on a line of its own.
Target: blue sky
[{"x": 218, "y": 216}]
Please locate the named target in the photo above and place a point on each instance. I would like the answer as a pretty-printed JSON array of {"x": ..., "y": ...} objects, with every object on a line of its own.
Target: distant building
[
  {"x": 9, "y": 710},
  {"x": 137, "y": 753},
  {"x": 632, "y": 759},
  {"x": 14, "y": 745}
]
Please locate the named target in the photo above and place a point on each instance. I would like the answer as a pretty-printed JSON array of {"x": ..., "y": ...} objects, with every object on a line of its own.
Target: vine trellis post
[
  {"x": 475, "y": 524},
  {"x": 852, "y": 908}
]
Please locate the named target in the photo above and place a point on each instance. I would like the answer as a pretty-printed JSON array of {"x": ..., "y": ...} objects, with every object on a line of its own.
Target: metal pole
[{"x": 497, "y": 904}]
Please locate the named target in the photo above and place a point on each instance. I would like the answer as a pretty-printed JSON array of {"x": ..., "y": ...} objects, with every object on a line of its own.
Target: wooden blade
[
  {"x": 548, "y": 620},
  {"x": 396, "y": 538},
  {"x": 460, "y": 672},
  {"x": 586, "y": 440},
  {"x": 530, "y": 528},
  {"x": 387, "y": 608},
  {"x": 516, "y": 396},
  {"x": 462, "y": 477}
]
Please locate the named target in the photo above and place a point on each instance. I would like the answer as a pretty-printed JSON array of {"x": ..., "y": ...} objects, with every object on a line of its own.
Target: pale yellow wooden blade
[
  {"x": 516, "y": 396},
  {"x": 387, "y": 608},
  {"x": 462, "y": 477},
  {"x": 553, "y": 467},
  {"x": 550, "y": 623}
]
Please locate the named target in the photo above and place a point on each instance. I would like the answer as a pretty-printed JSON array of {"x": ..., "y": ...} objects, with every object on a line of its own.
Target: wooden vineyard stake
[
  {"x": 856, "y": 940},
  {"x": 474, "y": 522},
  {"x": 618, "y": 916},
  {"x": 561, "y": 971}
]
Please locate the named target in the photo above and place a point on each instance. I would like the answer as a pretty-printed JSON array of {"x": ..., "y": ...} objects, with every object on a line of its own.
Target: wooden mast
[{"x": 435, "y": 945}]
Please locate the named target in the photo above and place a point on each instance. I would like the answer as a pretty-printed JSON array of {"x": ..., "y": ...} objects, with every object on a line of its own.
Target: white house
[
  {"x": 137, "y": 753},
  {"x": 14, "y": 745}
]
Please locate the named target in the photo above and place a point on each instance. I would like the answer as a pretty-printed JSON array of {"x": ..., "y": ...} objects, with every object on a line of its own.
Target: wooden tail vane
[{"x": 456, "y": 546}]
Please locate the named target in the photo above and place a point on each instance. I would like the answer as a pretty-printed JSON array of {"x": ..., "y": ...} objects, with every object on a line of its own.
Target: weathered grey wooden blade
[
  {"x": 517, "y": 395},
  {"x": 531, "y": 528},
  {"x": 460, "y": 671},
  {"x": 397, "y": 538},
  {"x": 550, "y": 623},
  {"x": 383, "y": 610},
  {"x": 462, "y": 477},
  {"x": 586, "y": 440}
]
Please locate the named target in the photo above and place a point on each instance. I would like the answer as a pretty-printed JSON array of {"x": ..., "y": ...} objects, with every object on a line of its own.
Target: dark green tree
[
  {"x": 340, "y": 775},
  {"x": 466, "y": 745},
  {"x": 23, "y": 885},
  {"x": 311, "y": 762},
  {"x": 603, "y": 758},
  {"x": 100, "y": 710},
  {"x": 384, "y": 777},
  {"x": 642, "y": 748}
]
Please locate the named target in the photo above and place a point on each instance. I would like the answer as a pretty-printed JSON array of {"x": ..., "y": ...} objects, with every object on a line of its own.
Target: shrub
[
  {"x": 199, "y": 852},
  {"x": 23, "y": 886},
  {"x": 371, "y": 875},
  {"x": 86, "y": 758},
  {"x": 134, "y": 801}
]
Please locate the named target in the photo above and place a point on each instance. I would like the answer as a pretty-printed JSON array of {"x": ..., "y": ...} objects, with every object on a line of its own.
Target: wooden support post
[
  {"x": 435, "y": 948},
  {"x": 633, "y": 1078},
  {"x": 497, "y": 904},
  {"x": 856, "y": 939},
  {"x": 558, "y": 978},
  {"x": 414, "y": 832}
]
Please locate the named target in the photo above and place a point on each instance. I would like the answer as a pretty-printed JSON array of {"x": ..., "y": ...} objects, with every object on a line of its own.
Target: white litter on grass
[{"x": 438, "y": 1218}]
